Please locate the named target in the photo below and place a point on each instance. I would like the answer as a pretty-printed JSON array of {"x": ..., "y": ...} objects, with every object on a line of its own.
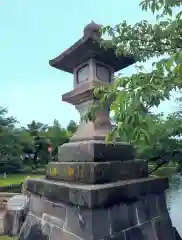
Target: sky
[{"x": 32, "y": 33}]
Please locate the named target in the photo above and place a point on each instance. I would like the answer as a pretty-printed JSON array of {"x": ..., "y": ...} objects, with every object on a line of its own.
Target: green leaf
[
  {"x": 153, "y": 7},
  {"x": 179, "y": 15},
  {"x": 169, "y": 11},
  {"x": 180, "y": 71},
  {"x": 159, "y": 65},
  {"x": 178, "y": 57},
  {"x": 169, "y": 64},
  {"x": 146, "y": 136}
]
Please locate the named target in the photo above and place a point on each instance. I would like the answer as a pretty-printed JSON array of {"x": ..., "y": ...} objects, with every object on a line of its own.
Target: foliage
[
  {"x": 27, "y": 147},
  {"x": 133, "y": 97},
  {"x": 9, "y": 147},
  {"x": 72, "y": 127}
]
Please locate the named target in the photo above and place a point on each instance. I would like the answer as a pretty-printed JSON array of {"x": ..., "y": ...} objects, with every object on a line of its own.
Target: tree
[
  {"x": 36, "y": 127},
  {"x": 132, "y": 97},
  {"x": 57, "y": 136},
  {"x": 10, "y": 149},
  {"x": 72, "y": 126},
  {"x": 28, "y": 146}
]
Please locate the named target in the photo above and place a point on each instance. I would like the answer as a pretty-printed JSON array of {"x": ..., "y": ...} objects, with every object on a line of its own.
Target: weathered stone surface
[
  {"x": 43, "y": 208},
  {"x": 45, "y": 229},
  {"x": 124, "y": 216},
  {"x": 61, "y": 234},
  {"x": 36, "y": 229},
  {"x": 96, "y": 195},
  {"x": 119, "y": 217},
  {"x": 146, "y": 208},
  {"x": 163, "y": 228},
  {"x": 95, "y": 151},
  {"x": 89, "y": 131},
  {"x": 148, "y": 231},
  {"x": 36, "y": 205},
  {"x": 141, "y": 232},
  {"x": 161, "y": 204},
  {"x": 122, "y": 221},
  {"x": 120, "y": 236},
  {"x": 57, "y": 211},
  {"x": 88, "y": 223},
  {"x": 109, "y": 223},
  {"x": 93, "y": 172},
  {"x": 31, "y": 229},
  {"x": 134, "y": 233}
]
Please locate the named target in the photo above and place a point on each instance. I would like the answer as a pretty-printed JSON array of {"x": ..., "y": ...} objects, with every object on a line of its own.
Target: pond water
[{"x": 174, "y": 201}]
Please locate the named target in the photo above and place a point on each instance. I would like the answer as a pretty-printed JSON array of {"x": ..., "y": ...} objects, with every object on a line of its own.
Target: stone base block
[
  {"x": 97, "y": 172},
  {"x": 145, "y": 219},
  {"x": 99, "y": 195},
  {"x": 95, "y": 151}
]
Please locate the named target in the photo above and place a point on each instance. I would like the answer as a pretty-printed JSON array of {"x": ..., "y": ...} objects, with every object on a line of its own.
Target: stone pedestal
[
  {"x": 132, "y": 209},
  {"x": 85, "y": 197}
]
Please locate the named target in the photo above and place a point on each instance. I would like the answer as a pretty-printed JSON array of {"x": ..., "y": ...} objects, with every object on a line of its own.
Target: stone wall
[{"x": 146, "y": 218}]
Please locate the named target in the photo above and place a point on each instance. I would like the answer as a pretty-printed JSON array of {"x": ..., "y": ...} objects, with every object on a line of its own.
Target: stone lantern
[
  {"x": 91, "y": 66},
  {"x": 95, "y": 190}
]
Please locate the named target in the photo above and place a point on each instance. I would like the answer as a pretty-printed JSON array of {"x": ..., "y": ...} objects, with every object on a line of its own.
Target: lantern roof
[{"x": 89, "y": 46}]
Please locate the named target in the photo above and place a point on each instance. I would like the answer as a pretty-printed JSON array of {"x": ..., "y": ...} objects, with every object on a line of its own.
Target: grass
[
  {"x": 5, "y": 238},
  {"x": 14, "y": 179}
]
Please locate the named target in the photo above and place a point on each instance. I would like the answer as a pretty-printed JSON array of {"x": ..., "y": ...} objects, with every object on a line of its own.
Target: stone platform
[
  {"x": 99, "y": 195},
  {"x": 144, "y": 219},
  {"x": 97, "y": 199},
  {"x": 95, "y": 151},
  {"x": 97, "y": 172}
]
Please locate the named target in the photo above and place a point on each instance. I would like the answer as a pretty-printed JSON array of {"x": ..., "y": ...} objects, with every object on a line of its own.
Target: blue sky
[{"x": 32, "y": 33}]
